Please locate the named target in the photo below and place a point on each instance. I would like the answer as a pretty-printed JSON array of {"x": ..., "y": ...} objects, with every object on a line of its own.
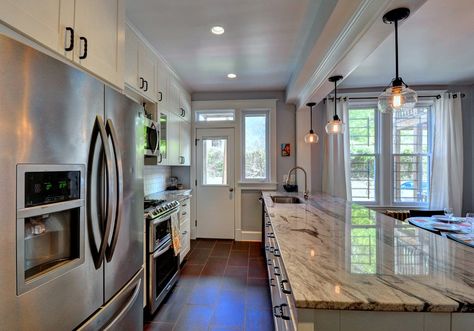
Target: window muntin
[
  {"x": 411, "y": 155},
  {"x": 215, "y": 115},
  {"x": 214, "y": 170},
  {"x": 255, "y": 163},
  {"x": 363, "y": 148}
]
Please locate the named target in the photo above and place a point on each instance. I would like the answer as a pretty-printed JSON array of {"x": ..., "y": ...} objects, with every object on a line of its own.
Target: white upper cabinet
[
  {"x": 99, "y": 43},
  {"x": 185, "y": 105},
  {"x": 140, "y": 64},
  {"x": 184, "y": 143},
  {"x": 173, "y": 100},
  {"x": 162, "y": 80},
  {"x": 39, "y": 20},
  {"x": 88, "y": 32},
  {"x": 173, "y": 133}
]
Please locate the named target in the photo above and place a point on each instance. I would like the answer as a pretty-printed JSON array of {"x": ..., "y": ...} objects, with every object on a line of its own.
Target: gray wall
[{"x": 317, "y": 150}]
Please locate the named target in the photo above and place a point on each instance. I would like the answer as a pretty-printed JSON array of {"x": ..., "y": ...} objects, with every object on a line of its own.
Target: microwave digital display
[{"x": 51, "y": 186}]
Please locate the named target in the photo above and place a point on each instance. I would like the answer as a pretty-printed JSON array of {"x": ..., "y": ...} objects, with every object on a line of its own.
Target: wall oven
[
  {"x": 162, "y": 263},
  {"x": 152, "y": 137}
]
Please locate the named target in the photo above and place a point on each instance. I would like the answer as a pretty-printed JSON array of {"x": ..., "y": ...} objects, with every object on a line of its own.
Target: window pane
[
  {"x": 411, "y": 251},
  {"x": 411, "y": 150},
  {"x": 214, "y": 161},
  {"x": 363, "y": 159},
  {"x": 215, "y": 116},
  {"x": 255, "y": 162}
]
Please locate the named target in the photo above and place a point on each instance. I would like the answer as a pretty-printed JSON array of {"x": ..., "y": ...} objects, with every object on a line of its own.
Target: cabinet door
[
  {"x": 185, "y": 105},
  {"x": 146, "y": 71},
  {"x": 131, "y": 58},
  {"x": 184, "y": 142},
  {"x": 173, "y": 139},
  {"x": 173, "y": 101},
  {"x": 162, "y": 78},
  {"x": 39, "y": 20},
  {"x": 99, "y": 29}
]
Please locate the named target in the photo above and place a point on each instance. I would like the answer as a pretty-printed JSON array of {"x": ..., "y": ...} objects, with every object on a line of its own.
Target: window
[
  {"x": 214, "y": 161},
  {"x": 255, "y": 163},
  {"x": 399, "y": 173},
  {"x": 411, "y": 156},
  {"x": 215, "y": 115},
  {"x": 362, "y": 131},
  {"x": 363, "y": 241}
]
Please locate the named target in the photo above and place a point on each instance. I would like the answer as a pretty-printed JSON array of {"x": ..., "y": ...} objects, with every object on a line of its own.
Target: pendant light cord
[
  {"x": 311, "y": 118},
  {"x": 396, "y": 49},
  {"x": 335, "y": 98}
]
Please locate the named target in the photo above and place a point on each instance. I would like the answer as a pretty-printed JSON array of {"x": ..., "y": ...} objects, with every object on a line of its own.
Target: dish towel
[{"x": 175, "y": 234}]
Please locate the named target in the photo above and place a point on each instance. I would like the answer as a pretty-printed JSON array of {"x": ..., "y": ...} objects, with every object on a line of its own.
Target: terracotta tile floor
[{"x": 223, "y": 286}]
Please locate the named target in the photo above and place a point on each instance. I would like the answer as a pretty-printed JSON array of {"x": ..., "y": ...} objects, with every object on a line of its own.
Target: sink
[{"x": 285, "y": 199}]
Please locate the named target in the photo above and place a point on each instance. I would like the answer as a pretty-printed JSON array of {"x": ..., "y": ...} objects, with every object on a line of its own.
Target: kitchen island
[{"x": 346, "y": 267}]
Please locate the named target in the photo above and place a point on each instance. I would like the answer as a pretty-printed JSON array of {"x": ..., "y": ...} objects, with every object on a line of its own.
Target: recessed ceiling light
[
  {"x": 231, "y": 76},
  {"x": 217, "y": 29}
]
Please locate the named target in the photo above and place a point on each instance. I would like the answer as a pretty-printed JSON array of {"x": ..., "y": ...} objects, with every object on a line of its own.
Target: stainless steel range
[{"x": 163, "y": 263}]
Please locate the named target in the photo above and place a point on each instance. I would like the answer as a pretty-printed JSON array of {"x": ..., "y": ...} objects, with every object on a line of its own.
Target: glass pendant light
[
  {"x": 398, "y": 96},
  {"x": 335, "y": 126},
  {"x": 311, "y": 137}
]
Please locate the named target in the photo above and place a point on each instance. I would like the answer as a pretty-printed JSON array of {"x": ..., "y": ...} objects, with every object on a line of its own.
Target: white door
[{"x": 215, "y": 183}]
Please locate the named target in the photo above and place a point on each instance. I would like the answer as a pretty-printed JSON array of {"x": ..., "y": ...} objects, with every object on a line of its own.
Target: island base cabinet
[{"x": 347, "y": 320}]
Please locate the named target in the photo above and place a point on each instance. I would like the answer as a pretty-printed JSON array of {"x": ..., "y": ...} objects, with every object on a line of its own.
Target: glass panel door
[{"x": 214, "y": 154}]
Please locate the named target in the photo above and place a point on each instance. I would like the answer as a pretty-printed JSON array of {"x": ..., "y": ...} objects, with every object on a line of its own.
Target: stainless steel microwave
[{"x": 152, "y": 137}]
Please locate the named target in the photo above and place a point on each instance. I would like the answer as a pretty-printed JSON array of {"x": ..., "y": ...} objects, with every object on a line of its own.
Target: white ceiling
[
  {"x": 436, "y": 48},
  {"x": 263, "y": 39}
]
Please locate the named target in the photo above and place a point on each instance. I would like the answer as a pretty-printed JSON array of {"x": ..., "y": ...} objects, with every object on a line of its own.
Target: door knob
[{"x": 231, "y": 189}]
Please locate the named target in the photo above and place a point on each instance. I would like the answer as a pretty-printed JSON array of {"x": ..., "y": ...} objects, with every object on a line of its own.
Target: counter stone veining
[
  {"x": 340, "y": 255},
  {"x": 179, "y": 195}
]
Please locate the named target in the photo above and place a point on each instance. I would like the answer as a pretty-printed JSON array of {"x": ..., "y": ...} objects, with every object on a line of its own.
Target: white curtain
[
  {"x": 336, "y": 163},
  {"x": 447, "y": 161}
]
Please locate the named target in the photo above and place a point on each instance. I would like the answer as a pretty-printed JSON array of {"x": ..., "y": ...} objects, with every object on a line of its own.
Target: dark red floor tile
[
  {"x": 205, "y": 243},
  {"x": 199, "y": 256},
  {"x": 235, "y": 278},
  {"x": 257, "y": 268},
  {"x": 238, "y": 258},
  {"x": 158, "y": 326},
  {"x": 221, "y": 250},
  {"x": 167, "y": 313},
  {"x": 191, "y": 270},
  {"x": 194, "y": 318},
  {"x": 205, "y": 292},
  {"x": 240, "y": 246},
  {"x": 255, "y": 250},
  {"x": 259, "y": 320},
  {"x": 229, "y": 309},
  {"x": 224, "y": 328}
]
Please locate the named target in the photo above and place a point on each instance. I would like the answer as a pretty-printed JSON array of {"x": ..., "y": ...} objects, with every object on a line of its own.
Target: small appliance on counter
[{"x": 173, "y": 184}]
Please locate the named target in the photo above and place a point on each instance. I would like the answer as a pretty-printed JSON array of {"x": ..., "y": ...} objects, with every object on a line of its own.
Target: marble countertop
[
  {"x": 340, "y": 255},
  {"x": 179, "y": 195}
]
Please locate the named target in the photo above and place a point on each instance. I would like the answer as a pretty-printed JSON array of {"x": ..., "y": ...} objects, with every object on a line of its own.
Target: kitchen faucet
[{"x": 306, "y": 193}]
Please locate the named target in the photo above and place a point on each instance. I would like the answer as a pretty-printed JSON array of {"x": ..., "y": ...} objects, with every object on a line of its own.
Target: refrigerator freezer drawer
[{"x": 123, "y": 312}]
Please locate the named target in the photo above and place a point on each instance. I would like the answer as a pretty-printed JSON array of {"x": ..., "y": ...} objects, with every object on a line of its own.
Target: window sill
[{"x": 267, "y": 186}]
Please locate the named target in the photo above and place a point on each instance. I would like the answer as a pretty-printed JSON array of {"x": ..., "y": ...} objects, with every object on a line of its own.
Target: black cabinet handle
[
  {"x": 71, "y": 39},
  {"x": 271, "y": 281},
  {"x": 269, "y": 261},
  {"x": 183, "y": 112},
  {"x": 161, "y": 96},
  {"x": 276, "y": 252},
  {"x": 146, "y": 85},
  {"x": 161, "y": 158},
  {"x": 276, "y": 271},
  {"x": 283, "y": 288},
  {"x": 142, "y": 83},
  {"x": 84, "y": 53},
  {"x": 278, "y": 311},
  {"x": 271, "y": 235}
]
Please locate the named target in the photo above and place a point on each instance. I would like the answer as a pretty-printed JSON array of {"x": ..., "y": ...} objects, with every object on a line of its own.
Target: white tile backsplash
[{"x": 154, "y": 178}]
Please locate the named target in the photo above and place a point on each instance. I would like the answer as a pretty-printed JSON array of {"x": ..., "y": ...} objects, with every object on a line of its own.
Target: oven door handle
[{"x": 161, "y": 251}]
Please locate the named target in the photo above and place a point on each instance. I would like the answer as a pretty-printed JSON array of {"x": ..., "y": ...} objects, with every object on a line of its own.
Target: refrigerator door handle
[
  {"x": 118, "y": 199},
  {"x": 126, "y": 308},
  {"x": 99, "y": 253}
]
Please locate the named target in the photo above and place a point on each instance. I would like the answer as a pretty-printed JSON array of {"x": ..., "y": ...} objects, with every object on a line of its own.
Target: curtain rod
[{"x": 375, "y": 98}]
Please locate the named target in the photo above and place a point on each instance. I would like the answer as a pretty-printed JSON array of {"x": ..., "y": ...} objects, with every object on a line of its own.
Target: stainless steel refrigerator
[{"x": 71, "y": 198}]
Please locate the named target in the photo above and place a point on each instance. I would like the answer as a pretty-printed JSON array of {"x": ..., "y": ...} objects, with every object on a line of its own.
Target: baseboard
[{"x": 250, "y": 236}]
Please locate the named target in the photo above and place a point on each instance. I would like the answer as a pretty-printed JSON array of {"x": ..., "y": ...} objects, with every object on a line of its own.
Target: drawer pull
[
  {"x": 279, "y": 312},
  {"x": 271, "y": 281},
  {"x": 269, "y": 261},
  {"x": 184, "y": 233},
  {"x": 276, "y": 252},
  {"x": 282, "y": 286},
  {"x": 271, "y": 235},
  {"x": 184, "y": 204},
  {"x": 183, "y": 213},
  {"x": 276, "y": 271}
]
